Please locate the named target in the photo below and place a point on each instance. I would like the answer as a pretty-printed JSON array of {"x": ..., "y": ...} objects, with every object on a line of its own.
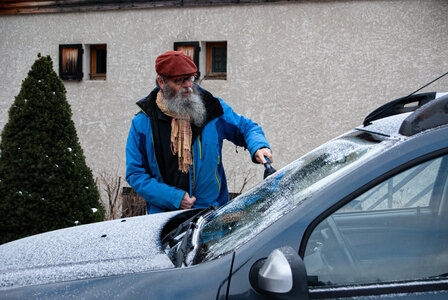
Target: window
[
  {"x": 98, "y": 62},
  {"x": 190, "y": 48},
  {"x": 216, "y": 60},
  {"x": 212, "y": 62},
  {"x": 396, "y": 231},
  {"x": 70, "y": 62}
]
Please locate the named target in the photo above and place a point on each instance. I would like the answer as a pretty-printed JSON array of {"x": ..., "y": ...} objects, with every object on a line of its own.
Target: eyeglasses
[{"x": 181, "y": 81}]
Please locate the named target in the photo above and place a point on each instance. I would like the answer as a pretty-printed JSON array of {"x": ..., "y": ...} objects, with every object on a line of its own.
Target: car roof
[
  {"x": 407, "y": 116},
  {"x": 388, "y": 126}
]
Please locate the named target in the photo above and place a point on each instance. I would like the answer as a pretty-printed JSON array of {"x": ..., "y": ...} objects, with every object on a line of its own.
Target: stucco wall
[{"x": 306, "y": 71}]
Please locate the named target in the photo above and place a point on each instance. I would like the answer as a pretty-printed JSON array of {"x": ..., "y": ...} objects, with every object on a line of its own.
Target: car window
[
  {"x": 396, "y": 231},
  {"x": 411, "y": 188}
]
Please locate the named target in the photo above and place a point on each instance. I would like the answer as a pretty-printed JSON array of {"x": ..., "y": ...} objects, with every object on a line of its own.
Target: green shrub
[{"x": 45, "y": 183}]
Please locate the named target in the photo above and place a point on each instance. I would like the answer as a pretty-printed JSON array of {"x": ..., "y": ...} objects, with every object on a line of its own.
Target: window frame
[
  {"x": 93, "y": 62},
  {"x": 209, "y": 74},
  {"x": 76, "y": 73}
]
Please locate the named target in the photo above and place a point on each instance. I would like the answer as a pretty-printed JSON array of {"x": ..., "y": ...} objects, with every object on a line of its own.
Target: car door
[{"x": 390, "y": 240}]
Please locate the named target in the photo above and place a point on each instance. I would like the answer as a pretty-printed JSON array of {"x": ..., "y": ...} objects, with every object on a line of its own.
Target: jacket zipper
[
  {"x": 200, "y": 146},
  {"x": 216, "y": 175}
]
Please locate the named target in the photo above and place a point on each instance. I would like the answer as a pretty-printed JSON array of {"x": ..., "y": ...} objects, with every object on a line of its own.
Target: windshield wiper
[
  {"x": 181, "y": 249},
  {"x": 195, "y": 239},
  {"x": 179, "y": 244}
]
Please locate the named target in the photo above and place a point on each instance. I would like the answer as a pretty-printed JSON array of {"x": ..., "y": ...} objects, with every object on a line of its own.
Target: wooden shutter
[{"x": 70, "y": 62}]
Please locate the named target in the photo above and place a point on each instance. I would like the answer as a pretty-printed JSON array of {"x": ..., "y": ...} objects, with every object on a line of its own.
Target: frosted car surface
[{"x": 87, "y": 251}]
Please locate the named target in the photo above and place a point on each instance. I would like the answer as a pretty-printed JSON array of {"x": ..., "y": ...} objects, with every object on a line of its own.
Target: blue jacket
[{"x": 210, "y": 185}]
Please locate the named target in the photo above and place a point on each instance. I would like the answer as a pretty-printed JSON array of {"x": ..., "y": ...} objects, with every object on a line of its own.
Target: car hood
[{"x": 89, "y": 251}]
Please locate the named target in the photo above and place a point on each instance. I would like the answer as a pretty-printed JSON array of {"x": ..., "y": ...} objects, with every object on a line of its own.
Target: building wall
[{"x": 306, "y": 71}]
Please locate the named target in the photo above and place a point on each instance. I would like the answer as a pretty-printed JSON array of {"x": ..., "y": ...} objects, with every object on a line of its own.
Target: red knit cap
[{"x": 175, "y": 64}]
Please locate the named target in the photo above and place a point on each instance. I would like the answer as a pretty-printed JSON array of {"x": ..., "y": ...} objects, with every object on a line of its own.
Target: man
[{"x": 173, "y": 151}]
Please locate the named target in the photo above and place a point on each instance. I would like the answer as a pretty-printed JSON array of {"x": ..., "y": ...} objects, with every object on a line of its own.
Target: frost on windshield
[{"x": 247, "y": 215}]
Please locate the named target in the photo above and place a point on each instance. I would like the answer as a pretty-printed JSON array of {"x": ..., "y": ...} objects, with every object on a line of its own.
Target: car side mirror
[{"x": 280, "y": 276}]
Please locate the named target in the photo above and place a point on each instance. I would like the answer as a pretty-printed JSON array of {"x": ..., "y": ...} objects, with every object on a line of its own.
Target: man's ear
[{"x": 160, "y": 82}]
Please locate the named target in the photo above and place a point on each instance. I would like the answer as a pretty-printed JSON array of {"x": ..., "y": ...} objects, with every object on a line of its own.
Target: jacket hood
[{"x": 88, "y": 251}]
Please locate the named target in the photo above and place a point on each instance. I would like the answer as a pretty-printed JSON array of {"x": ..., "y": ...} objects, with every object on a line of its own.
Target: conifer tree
[{"x": 45, "y": 183}]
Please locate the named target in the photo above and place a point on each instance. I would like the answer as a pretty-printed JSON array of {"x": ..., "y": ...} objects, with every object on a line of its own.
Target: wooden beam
[{"x": 8, "y": 7}]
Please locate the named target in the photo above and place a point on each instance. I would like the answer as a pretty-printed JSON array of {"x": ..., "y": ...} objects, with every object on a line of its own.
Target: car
[{"x": 363, "y": 216}]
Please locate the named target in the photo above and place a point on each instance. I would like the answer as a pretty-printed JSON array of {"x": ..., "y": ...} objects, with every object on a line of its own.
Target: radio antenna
[{"x": 425, "y": 85}]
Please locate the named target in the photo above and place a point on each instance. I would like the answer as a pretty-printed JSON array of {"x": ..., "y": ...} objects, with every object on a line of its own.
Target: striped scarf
[{"x": 181, "y": 135}]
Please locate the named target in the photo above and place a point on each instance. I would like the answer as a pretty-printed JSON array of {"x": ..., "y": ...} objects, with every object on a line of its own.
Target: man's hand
[
  {"x": 187, "y": 202},
  {"x": 261, "y": 154}
]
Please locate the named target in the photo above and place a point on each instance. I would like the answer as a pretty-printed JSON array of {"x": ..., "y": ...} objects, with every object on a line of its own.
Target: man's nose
[{"x": 187, "y": 83}]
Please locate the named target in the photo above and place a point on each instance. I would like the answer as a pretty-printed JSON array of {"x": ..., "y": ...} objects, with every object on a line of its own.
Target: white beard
[{"x": 191, "y": 105}]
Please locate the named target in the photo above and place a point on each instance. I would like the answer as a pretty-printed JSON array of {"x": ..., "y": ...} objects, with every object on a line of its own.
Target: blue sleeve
[
  {"x": 141, "y": 168},
  {"x": 242, "y": 131}
]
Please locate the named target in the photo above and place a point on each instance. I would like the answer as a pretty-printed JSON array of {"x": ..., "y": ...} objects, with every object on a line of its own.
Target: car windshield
[{"x": 247, "y": 215}]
